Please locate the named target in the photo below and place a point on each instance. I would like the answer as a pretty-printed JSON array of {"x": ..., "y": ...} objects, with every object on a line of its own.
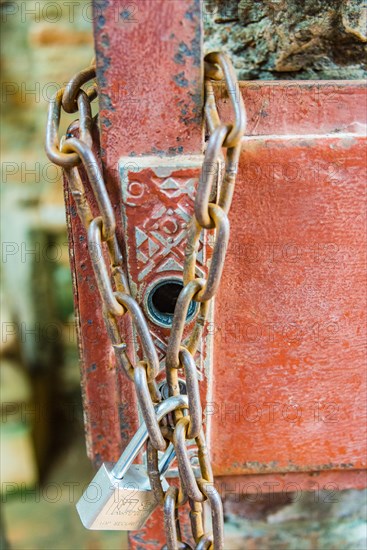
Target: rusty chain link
[
  {"x": 208, "y": 215},
  {"x": 212, "y": 203}
]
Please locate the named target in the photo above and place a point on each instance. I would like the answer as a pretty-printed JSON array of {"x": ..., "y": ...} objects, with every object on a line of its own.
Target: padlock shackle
[
  {"x": 141, "y": 436},
  {"x": 166, "y": 460}
]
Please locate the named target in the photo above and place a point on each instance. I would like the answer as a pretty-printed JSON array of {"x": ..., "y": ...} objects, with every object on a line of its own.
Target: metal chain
[
  {"x": 207, "y": 216},
  {"x": 72, "y": 153}
]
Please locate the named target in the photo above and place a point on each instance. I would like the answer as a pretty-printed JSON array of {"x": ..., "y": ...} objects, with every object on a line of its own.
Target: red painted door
[{"x": 286, "y": 389}]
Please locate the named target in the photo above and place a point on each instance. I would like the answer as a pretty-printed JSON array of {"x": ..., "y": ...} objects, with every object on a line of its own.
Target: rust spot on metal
[
  {"x": 181, "y": 80},
  {"x": 183, "y": 52},
  {"x": 105, "y": 121}
]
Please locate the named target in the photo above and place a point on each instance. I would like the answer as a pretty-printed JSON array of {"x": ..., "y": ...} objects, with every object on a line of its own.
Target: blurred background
[{"x": 43, "y": 461}]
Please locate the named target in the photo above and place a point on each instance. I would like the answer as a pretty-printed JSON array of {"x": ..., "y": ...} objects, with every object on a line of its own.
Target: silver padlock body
[{"x": 117, "y": 505}]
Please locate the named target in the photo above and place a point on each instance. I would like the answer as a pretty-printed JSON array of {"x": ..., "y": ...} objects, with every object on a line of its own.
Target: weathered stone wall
[
  {"x": 286, "y": 39},
  {"x": 42, "y": 44},
  {"x": 320, "y": 520}
]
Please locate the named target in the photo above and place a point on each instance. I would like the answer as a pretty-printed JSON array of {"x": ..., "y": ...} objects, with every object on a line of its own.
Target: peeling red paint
[
  {"x": 288, "y": 394},
  {"x": 290, "y": 315}
]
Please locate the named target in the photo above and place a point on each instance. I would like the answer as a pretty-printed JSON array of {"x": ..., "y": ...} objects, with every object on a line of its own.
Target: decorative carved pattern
[
  {"x": 159, "y": 240},
  {"x": 158, "y": 201}
]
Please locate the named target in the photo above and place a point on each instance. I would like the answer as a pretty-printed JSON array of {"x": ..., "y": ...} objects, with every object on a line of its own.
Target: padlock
[{"x": 119, "y": 497}]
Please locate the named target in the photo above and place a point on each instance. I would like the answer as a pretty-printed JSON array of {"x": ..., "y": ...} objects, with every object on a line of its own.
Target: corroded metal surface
[
  {"x": 107, "y": 399},
  {"x": 149, "y": 70},
  {"x": 300, "y": 107},
  {"x": 157, "y": 203},
  {"x": 291, "y": 354},
  {"x": 296, "y": 342},
  {"x": 289, "y": 364}
]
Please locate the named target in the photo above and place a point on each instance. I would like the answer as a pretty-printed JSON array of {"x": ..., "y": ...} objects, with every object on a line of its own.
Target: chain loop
[
  {"x": 193, "y": 393},
  {"x": 229, "y": 180},
  {"x": 221, "y": 223},
  {"x": 69, "y": 98},
  {"x": 52, "y": 143},
  {"x": 205, "y": 543},
  {"x": 79, "y": 196},
  {"x": 187, "y": 475},
  {"x": 171, "y": 522},
  {"x": 210, "y": 108},
  {"x": 196, "y": 520},
  {"x": 179, "y": 320},
  {"x": 141, "y": 326},
  {"x": 100, "y": 269},
  {"x": 96, "y": 180},
  {"x": 220, "y": 59},
  {"x": 211, "y": 493},
  {"x": 147, "y": 407},
  {"x": 118, "y": 345},
  {"x": 208, "y": 173},
  {"x": 153, "y": 472}
]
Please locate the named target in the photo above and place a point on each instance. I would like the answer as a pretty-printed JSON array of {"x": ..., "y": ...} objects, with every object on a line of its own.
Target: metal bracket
[{"x": 157, "y": 203}]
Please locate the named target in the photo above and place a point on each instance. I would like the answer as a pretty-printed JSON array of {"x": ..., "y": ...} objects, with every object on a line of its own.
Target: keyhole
[
  {"x": 162, "y": 302},
  {"x": 165, "y": 296}
]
